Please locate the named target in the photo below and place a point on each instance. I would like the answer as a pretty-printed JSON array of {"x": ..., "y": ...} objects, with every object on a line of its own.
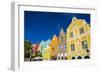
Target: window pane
[
  {"x": 84, "y": 44},
  {"x": 72, "y": 47},
  {"x": 71, "y": 34},
  {"x": 81, "y": 30}
]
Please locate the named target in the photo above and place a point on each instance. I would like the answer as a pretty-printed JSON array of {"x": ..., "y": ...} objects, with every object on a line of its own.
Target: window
[
  {"x": 84, "y": 44},
  {"x": 58, "y": 58},
  {"x": 71, "y": 34},
  {"x": 53, "y": 48},
  {"x": 59, "y": 47},
  {"x": 61, "y": 39},
  {"x": 81, "y": 30},
  {"x": 65, "y": 46},
  {"x": 72, "y": 47}
]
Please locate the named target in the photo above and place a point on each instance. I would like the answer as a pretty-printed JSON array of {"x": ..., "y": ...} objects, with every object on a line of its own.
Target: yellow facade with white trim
[{"x": 75, "y": 37}]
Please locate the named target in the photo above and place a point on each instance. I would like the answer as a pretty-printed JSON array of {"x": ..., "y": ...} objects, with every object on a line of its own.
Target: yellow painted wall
[
  {"x": 77, "y": 38},
  {"x": 46, "y": 54},
  {"x": 54, "y": 46}
]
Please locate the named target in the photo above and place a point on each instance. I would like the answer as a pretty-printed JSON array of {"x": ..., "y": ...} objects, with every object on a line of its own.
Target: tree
[{"x": 27, "y": 49}]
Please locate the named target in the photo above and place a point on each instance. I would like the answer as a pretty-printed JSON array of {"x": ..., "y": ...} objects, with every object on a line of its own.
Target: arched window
[
  {"x": 86, "y": 57},
  {"x": 62, "y": 58},
  {"x": 79, "y": 57},
  {"x": 65, "y": 58},
  {"x": 73, "y": 57},
  {"x": 58, "y": 58}
]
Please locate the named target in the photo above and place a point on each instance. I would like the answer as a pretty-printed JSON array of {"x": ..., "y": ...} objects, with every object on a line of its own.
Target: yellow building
[
  {"x": 46, "y": 54},
  {"x": 78, "y": 39},
  {"x": 54, "y": 47}
]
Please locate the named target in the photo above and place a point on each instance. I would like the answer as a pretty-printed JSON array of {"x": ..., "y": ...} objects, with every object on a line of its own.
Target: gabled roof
[
  {"x": 62, "y": 32},
  {"x": 76, "y": 22},
  {"x": 54, "y": 37}
]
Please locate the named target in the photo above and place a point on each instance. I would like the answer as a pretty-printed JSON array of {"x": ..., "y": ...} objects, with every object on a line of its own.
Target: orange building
[{"x": 54, "y": 47}]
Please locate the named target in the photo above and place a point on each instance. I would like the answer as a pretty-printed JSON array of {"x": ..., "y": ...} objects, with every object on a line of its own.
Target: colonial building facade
[
  {"x": 44, "y": 49},
  {"x": 62, "y": 46},
  {"x": 54, "y": 47},
  {"x": 78, "y": 39}
]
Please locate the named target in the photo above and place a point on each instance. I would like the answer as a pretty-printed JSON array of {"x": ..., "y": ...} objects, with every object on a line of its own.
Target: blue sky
[{"x": 40, "y": 26}]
